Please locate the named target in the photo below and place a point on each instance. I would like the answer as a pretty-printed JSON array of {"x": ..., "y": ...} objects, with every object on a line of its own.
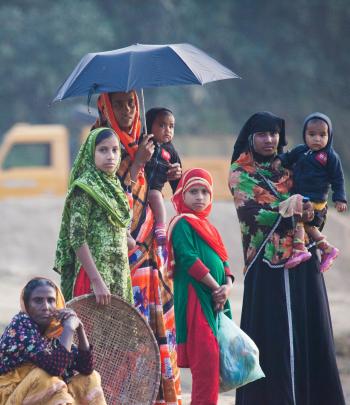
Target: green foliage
[{"x": 292, "y": 56}]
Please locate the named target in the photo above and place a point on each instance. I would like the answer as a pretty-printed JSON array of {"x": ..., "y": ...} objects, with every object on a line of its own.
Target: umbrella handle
[
  {"x": 143, "y": 111},
  {"x": 92, "y": 91}
]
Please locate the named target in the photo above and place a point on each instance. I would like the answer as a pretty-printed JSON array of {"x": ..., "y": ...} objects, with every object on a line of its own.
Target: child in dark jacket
[
  {"x": 316, "y": 167},
  {"x": 161, "y": 123}
]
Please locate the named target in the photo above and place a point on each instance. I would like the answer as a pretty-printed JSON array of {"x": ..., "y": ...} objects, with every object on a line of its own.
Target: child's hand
[
  {"x": 276, "y": 164},
  {"x": 174, "y": 172},
  {"x": 341, "y": 206},
  {"x": 101, "y": 291}
]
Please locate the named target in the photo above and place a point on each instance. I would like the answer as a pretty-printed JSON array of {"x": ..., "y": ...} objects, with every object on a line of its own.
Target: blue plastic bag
[{"x": 239, "y": 356}]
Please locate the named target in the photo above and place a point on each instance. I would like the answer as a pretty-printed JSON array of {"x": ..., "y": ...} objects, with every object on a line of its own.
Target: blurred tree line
[{"x": 293, "y": 58}]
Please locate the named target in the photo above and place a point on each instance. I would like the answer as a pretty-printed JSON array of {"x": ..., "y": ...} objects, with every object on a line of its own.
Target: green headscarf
[{"x": 104, "y": 188}]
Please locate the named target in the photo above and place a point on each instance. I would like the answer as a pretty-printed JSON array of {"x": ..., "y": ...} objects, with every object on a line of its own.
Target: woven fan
[{"x": 126, "y": 353}]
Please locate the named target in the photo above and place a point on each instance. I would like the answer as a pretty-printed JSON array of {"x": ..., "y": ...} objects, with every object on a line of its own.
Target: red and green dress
[
  {"x": 195, "y": 250},
  {"x": 194, "y": 258}
]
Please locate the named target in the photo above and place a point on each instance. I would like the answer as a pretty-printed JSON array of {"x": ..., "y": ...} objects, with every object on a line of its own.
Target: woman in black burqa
[{"x": 285, "y": 311}]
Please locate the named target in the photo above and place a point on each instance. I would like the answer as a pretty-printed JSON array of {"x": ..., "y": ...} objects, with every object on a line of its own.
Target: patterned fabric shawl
[
  {"x": 105, "y": 189},
  {"x": 22, "y": 341},
  {"x": 257, "y": 191}
]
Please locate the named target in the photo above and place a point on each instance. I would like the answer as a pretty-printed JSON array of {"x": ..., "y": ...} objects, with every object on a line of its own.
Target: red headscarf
[{"x": 198, "y": 220}]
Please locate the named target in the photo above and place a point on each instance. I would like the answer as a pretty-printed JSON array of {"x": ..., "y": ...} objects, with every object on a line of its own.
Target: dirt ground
[{"x": 28, "y": 232}]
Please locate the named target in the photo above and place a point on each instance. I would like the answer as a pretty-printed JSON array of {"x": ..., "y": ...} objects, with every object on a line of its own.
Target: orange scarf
[{"x": 129, "y": 140}]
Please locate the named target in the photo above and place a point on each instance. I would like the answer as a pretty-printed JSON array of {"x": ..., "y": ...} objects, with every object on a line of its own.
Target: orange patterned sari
[{"x": 153, "y": 290}]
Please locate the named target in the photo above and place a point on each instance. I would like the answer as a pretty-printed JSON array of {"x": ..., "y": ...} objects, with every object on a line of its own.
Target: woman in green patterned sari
[{"x": 92, "y": 254}]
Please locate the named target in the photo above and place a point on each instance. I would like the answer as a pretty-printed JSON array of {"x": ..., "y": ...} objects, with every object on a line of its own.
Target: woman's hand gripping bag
[{"x": 239, "y": 356}]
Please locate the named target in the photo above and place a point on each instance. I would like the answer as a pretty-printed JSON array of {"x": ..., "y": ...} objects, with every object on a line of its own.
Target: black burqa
[{"x": 286, "y": 313}]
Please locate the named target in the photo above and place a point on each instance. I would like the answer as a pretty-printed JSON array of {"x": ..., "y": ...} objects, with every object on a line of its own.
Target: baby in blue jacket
[{"x": 316, "y": 167}]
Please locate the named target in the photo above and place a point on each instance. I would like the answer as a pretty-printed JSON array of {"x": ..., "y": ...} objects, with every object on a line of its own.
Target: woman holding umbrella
[
  {"x": 136, "y": 67},
  {"x": 152, "y": 289},
  {"x": 285, "y": 311}
]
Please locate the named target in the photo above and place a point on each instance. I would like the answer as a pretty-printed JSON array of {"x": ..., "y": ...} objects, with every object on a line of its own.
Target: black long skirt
[{"x": 286, "y": 313}]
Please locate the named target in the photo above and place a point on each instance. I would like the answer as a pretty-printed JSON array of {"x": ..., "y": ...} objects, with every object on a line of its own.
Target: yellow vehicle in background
[{"x": 35, "y": 160}]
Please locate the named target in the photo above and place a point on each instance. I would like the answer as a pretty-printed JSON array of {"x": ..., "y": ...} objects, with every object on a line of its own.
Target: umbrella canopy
[{"x": 140, "y": 66}]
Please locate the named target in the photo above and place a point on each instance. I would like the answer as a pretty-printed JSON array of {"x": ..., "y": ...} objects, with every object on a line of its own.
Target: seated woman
[{"x": 39, "y": 364}]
